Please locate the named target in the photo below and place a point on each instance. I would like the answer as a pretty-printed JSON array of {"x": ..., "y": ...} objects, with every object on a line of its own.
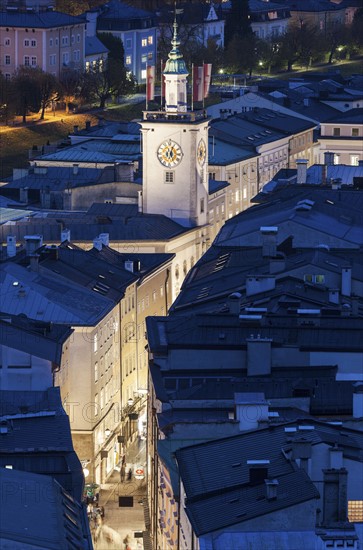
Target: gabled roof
[
  {"x": 215, "y": 474},
  {"x": 37, "y": 338},
  {"x": 120, "y": 16},
  {"x": 38, "y": 20},
  {"x": 121, "y": 222},
  {"x": 189, "y": 13},
  {"x": 42, "y": 297},
  {"x": 47, "y": 518},
  {"x": 93, "y": 45},
  {"x": 352, "y": 116},
  {"x": 281, "y": 209}
]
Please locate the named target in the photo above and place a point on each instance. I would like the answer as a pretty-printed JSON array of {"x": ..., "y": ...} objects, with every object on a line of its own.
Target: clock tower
[{"x": 175, "y": 150}]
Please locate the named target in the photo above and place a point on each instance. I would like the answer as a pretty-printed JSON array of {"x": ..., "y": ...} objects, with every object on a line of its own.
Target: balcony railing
[{"x": 160, "y": 116}]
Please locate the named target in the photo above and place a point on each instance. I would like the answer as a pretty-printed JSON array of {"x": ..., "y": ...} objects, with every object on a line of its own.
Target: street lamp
[
  {"x": 130, "y": 401},
  {"x": 107, "y": 432}
]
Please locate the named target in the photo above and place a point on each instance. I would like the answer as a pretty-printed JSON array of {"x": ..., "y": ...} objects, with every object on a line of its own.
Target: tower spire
[{"x": 175, "y": 74}]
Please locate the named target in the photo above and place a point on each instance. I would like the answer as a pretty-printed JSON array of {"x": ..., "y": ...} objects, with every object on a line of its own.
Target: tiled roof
[
  {"x": 38, "y": 20},
  {"x": 47, "y": 517},
  {"x": 93, "y": 45},
  {"x": 122, "y": 224},
  {"x": 40, "y": 339},
  {"x": 223, "y": 510},
  {"x": 42, "y": 297},
  {"x": 15, "y": 402}
]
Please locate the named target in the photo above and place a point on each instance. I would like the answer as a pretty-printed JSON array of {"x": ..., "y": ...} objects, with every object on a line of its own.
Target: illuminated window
[
  {"x": 308, "y": 278},
  {"x": 95, "y": 342},
  {"x": 128, "y": 60},
  {"x": 354, "y": 160},
  {"x": 143, "y": 74},
  {"x": 355, "y": 511},
  {"x": 150, "y": 40},
  {"x": 144, "y": 42},
  {"x": 336, "y": 159},
  {"x": 96, "y": 371},
  {"x": 319, "y": 279}
]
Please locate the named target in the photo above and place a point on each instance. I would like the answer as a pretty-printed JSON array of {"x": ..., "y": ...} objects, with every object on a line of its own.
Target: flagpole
[
  {"x": 147, "y": 87},
  {"x": 192, "y": 87},
  {"x": 203, "y": 82},
  {"x": 161, "y": 84}
]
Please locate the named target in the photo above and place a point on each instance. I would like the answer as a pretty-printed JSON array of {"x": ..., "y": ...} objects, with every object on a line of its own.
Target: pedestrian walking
[
  {"x": 129, "y": 475},
  {"x": 122, "y": 473}
]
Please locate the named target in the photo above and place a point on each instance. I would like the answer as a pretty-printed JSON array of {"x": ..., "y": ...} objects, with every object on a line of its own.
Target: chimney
[
  {"x": 65, "y": 235},
  {"x": 132, "y": 265},
  {"x": 105, "y": 238},
  {"x": 335, "y": 497},
  {"x": 24, "y": 194},
  {"x": 301, "y": 451},
  {"x": 234, "y": 303},
  {"x": 251, "y": 410},
  {"x": 358, "y": 400},
  {"x": 334, "y": 295},
  {"x": 301, "y": 166},
  {"x": 324, "y": 174},
  {"x": 97, "y": 243},
  {"x": 32, "y": 243},
  {"x": 258, "y": 471},
  {"x": 354, "y": 302},
  {"x": 271, "y": 488},
  {"x": 269, "y": 241},
  {"x": 259, "y": 283},
  {"x": 34, "y": 262},
  {"x": 88, "y": 125},
  {"x": 11, "y": 246},
  {"x": 75, "y": 169},
  {"x": 329, "y": 158},
  {"x": 336, "y": 457},
  {"x": 139, "y": 201},
  {"x": 258, "y": 356},
  {"x": 346, "y": 281}
]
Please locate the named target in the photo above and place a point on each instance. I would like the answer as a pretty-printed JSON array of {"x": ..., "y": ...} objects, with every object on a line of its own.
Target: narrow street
[{"x": 122, "y": 525}]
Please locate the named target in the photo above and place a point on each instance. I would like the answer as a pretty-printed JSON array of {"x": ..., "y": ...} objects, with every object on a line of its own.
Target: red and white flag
[
  {"x": 150, "y": 82},
  {"x": 162, "y": 79},
  {"x": 207, "y": 78},
  {"x": 198, "y": 83}
]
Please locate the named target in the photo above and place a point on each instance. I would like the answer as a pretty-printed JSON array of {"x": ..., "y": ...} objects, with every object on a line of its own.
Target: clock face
[
  {"x": 169, "y": 153},
  {"x": 201, "y": 152}
]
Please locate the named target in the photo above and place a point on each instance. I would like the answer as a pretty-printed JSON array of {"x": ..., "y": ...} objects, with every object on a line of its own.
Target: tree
[
  {"x": 114, "y": 45},
  {"x": 49, "y": 89},
  {"x": 70, "y": 86},
  {"x": 301, "y": 43},
  {"x": 242, "y": 54},
  {"x": 26, "y": 92},
  {"x": 101, "y": 83},
  {"x": 237, "y": 21},
  {"x": 7, "y": 99}
]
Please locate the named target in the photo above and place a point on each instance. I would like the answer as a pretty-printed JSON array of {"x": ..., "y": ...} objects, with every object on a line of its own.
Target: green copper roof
[{"x": 175, "y": 64}]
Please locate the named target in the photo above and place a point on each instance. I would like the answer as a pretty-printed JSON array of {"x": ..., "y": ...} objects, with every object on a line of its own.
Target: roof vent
[{"x": 4, "y": 427}]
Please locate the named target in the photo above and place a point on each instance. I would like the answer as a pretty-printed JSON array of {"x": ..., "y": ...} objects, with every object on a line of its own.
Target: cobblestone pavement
[{"x": 121, "y": 525}]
